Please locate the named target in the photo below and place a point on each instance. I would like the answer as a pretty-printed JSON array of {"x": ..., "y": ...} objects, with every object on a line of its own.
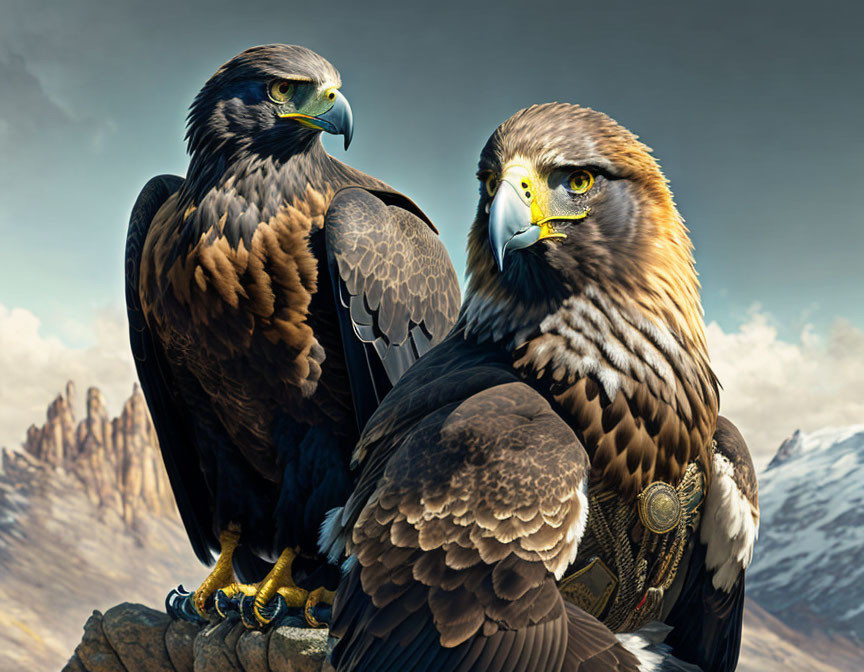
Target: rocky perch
[{"x": 135, "y": 638}]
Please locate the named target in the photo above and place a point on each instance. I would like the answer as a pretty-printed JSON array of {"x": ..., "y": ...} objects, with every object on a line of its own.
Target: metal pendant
[{"x": 659, "y": 507}]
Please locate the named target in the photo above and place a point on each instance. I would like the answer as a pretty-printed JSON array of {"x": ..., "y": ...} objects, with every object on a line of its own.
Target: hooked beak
[
  {"x": 510, "y": 225},
  {"x": 338, "y": 120},
  {"x": 516, "y": 222}
]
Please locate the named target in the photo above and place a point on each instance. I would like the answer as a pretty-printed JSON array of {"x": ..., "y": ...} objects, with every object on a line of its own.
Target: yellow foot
[
  {"x": 224, "y": 599},
  {"x": 316, "y": 597},
  {"x": 222, "y": 574},
  {"x": 278, "y": 582}
]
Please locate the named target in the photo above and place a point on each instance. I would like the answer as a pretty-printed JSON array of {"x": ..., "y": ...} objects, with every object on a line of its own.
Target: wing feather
[
  {"x": 423, "y": 592},
  {"x": 707, "y": 616},
  {"x": 176, "y": 434},
  {"x": 395, "y": 289}
]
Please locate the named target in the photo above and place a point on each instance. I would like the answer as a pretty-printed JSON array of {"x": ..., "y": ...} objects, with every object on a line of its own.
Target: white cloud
[
  {"x": 35, "y": 368},
  {"x": 772, "y": 387}
]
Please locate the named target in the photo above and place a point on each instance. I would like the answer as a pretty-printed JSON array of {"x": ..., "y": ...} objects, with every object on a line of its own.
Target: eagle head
[
  {"x": 271, "y": 100},
  {"x": 571, "y": 199}
]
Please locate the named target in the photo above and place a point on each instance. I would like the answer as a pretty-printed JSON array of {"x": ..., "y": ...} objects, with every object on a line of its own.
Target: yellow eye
[
  {"x": 491, "y": 184},
  {"x": 280, "y": 90},
  {"x": 581, "y": 181}
]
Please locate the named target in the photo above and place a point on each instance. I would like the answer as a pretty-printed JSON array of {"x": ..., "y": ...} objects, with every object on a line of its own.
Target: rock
[
  {"x": 252, "y": 651},
  {"x": 214, "y": 647},
  {"x": 179, "y": 642},
  {"x": 135, "y": 638},
  {"x": 94, "y": 652},
  {"x": 74, "y": 665},
  {"x": 137, "y": 634},
  {"x": 117, "y": 460},
  {"x": 297, "y": 650}
]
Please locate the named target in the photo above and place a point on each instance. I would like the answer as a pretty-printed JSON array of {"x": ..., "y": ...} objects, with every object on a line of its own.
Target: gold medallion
[{"x": 659, "y": 507}]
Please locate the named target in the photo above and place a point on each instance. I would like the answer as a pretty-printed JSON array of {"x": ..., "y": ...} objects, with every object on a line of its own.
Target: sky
[{"x": 754, "y": 111}]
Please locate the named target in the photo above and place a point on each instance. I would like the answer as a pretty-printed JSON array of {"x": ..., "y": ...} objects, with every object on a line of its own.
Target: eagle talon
[
  {"x": 227, "y": 599},
  {"x": 276, "y": 595},
  {"x": 247, "y": 612},
  {"x": 193, "y": 606},
  {"x": 317, "y": 609},
  {"x": 180, "y": 606}
]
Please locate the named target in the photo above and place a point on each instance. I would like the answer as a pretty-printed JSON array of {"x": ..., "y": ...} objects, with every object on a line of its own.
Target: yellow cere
[{"x": 521, "y": 175}]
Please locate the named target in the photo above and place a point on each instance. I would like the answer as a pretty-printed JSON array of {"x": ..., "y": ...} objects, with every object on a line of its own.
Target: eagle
[
  {"x": 274, "y": 297},
  {"x": 555, "y": 470}
]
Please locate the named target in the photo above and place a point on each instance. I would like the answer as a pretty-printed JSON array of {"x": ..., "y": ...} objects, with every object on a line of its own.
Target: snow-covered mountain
[{"x": 808, "y": 568}]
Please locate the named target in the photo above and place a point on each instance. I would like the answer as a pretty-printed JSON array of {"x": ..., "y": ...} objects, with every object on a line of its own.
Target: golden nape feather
[{"x": 615, "y": 333}]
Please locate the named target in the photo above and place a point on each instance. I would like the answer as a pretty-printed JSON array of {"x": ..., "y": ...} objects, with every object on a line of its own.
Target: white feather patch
[
  {"x": 654, "y": 656},
  {"x": 574, "y": 534},
  {"x": 605, "y": 341},
  {"x": 730, "y": 526}
]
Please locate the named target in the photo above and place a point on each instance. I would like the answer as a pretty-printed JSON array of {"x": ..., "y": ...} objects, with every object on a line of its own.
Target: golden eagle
[
  {"x": 274, "y": 296},
  {"x": 550, "y": 462}
]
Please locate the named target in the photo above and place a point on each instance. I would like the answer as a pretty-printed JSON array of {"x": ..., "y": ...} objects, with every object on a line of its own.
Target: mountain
[
  {"x": 769, "y": 645},
  {"x": 808, "y": 567},
  {"x": 87, "y": 520},
  {"x": 117, "y": 460}
]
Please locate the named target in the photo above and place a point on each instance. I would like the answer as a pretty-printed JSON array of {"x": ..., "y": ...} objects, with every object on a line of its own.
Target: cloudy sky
[{"x": 754, "y": 113}]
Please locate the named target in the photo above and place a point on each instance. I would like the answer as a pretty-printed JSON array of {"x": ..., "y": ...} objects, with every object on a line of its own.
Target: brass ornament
[
  {"x": 589, "y": 588},
  {"x": 659, "y": 507}
]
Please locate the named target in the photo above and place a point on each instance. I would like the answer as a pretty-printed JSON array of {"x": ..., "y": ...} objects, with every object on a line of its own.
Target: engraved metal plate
[
  {"x": 659, "y": 507},
  {"x": 589, "y": 588}
]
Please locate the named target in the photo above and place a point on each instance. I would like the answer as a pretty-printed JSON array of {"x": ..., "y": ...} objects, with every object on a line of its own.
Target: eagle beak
[
  {"x": 338, "y": 120},
  {"x": 510, "y": 226}
]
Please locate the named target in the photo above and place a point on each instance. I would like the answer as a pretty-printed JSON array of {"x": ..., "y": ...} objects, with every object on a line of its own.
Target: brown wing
[
  {"x": 591, "y": 646},
  {"x": 707, "y": 616},
  {"x": 730, "y": 520},
  {"x": 395, "y": 288},
  {"x": 171, "y": 418},
  {"x": 449, "y": 374},
  {"x": 457, "y": 550}
]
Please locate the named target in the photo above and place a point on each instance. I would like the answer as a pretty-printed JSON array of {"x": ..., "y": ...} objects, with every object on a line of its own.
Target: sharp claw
[
  {"x": 179, "y": 605},
  {"x": 263, "y": 611},
  {"x": 248, "y": 612},
  {"x": 317, "y": 609},
  {"x": 293, "y": 596},
  {"x": 225, "y": 601}
]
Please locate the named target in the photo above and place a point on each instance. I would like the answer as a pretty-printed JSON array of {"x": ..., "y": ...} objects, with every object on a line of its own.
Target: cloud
[
  {"x": 772, "y": 387},
  {"x": 35, "y": 368},
  {"x": 26, "y": 108},
  {"x": 30, "y": 118}
]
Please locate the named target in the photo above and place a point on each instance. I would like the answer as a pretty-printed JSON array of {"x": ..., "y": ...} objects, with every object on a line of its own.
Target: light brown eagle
[{"x": 552, "y": 460}]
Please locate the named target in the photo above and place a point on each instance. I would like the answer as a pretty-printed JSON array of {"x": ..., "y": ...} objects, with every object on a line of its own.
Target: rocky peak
[
  {"x": 807, "y": 566},
  {"x": 117, "y": 460},
  {"x": 786, "y": 449}
]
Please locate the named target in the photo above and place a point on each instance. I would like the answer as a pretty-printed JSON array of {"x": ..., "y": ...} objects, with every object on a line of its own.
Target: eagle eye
[
  {"x": 580, "y": 181},
  {"x": 280, "y": 90},
  {"x": 491, "y": 183}
]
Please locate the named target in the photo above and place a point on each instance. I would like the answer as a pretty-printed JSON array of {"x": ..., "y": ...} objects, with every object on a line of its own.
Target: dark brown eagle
[
  {"x": 274, "y": 297},
  {"x": 557, "y": 458}
]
